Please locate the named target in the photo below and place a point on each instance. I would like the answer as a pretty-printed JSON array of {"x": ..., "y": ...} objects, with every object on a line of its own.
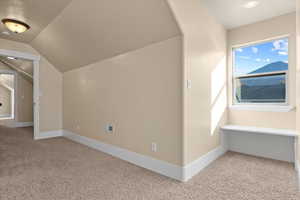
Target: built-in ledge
[
  {"x": 252, "y": 129},
  {"x": 278, "y": 144}
]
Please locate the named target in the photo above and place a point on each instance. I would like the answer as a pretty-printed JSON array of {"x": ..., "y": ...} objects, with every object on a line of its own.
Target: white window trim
[{"x": 272, "y": 107}]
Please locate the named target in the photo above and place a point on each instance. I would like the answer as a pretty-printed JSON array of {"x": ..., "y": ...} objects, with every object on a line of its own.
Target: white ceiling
[{"x": 232, "y": 14}]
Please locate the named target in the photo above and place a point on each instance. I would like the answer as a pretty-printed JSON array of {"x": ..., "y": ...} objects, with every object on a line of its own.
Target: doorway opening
[{"x": 19, "y": 90}]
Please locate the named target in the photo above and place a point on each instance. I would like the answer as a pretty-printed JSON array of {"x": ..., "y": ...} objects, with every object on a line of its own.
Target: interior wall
[
  {"x": 24, "y": 99},
  {"x": 278, "y": 26},
  {"x": 139, "y": 93},
  {"x": 205, "y": 66},
  {"x": 298, "y": 79},
  {"x": 50, "y": 88}
]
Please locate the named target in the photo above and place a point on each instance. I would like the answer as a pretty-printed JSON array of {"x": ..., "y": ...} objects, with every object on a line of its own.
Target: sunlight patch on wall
[
  {"x": 218, "y": 79},
  {"x": 218, "y": 95}
]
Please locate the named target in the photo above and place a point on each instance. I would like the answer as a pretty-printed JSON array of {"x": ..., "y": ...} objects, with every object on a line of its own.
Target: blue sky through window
[{"x": 251, "y": 58}]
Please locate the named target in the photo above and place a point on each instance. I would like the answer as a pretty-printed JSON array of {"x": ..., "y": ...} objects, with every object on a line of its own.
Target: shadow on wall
[{"x": 218, "y": 96}]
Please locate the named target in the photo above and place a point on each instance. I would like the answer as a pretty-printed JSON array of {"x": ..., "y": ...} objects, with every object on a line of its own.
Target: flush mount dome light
[
  {"x": 251, "y": 4},
  {"x": 15, "y": 26}
]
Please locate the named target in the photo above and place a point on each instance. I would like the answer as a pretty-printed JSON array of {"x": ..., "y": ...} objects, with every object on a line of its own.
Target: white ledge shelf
[
  {"x": 258, "y": 130},
  {"x": 263, "y": 108}
]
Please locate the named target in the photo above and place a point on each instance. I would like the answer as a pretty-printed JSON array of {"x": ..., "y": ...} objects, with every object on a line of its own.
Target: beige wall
[
  {"x": 279, "y": 26},
  {"x": 24, "y": 99},
  {"x": 139, "y": 92},
  {"x": 50, "y": 88},
  {"x": 205, "y": 65},
  {"x": 298, "y": 76}
]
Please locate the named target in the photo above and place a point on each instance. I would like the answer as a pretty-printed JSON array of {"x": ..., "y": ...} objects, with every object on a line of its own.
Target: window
[{"x": 260, "y": 73}]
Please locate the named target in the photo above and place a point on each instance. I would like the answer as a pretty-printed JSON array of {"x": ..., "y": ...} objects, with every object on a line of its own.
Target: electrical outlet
[
  {"x": 109, "y": 128},
  {"x": 154, "y": 147}
]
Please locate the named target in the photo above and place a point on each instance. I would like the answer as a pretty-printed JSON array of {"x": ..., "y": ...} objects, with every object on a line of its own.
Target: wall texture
[
  {"x": 205, "y": 65},
  {"x": 50, "y": 88},
  {"x": 247, "y": 34},
  {"x": 139, "y": 92}
]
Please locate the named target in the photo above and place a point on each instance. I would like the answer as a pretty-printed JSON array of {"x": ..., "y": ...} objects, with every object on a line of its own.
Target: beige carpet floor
[{"x": 59, "y": 169}]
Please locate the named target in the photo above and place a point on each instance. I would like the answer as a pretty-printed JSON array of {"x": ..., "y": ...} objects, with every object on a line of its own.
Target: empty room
[{"x": 149, "y": 99}]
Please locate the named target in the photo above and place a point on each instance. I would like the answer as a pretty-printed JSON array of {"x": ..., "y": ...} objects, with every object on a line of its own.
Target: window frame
[{"x": 234, "y": 102}]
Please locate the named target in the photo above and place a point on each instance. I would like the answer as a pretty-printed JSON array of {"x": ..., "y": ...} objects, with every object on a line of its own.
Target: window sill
[{"x": 263, "y": 108}]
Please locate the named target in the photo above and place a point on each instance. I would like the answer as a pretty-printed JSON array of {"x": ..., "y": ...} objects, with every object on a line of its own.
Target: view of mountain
[
  {"x": 272, "y": 67},
  {"x": 263, "y": 89}
]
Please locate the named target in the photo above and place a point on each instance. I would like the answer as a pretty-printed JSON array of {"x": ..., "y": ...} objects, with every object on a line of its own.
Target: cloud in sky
[
  {"x": 254, "y": 50},
  {"x": 244, "y": 57},
  {"x": 283, "y": 53},
  {"x": 239, "y": 50},
  {"x": 280, "y": 45},
  {"x": 258, "y": 59}
]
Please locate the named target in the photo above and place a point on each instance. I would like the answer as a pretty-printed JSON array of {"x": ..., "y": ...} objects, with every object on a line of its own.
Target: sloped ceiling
[
  {"x": 37, "y": 13},
  {"x": 92, "y": 30},
  {"x": 75, "y": 33},
  {"x": 20, "y": 64}
]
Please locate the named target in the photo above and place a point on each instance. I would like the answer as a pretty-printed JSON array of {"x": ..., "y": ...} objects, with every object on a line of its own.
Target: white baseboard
[
  {"x": 297, "y": 166},
  {"x": 161, "y": 167},
  {"x": 198, "y": 165},
  {"x": 167, "y": 169},
  {"x": 13, "y": 124},
  {"x": 49, "y": 134},
  {"x": 23, "y": 124}
]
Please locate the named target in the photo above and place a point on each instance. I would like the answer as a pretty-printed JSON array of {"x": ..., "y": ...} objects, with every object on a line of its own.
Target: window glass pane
[
  {"x": 265, "y": 57},
  {"x": 260, "y": 72},
  {"x": 263, "y": 89}
]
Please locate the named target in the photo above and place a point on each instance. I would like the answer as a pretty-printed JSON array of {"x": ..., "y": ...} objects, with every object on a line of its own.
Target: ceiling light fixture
[
  {"x": 15, "y": 26},
  {"x": 251, "y": 4}
]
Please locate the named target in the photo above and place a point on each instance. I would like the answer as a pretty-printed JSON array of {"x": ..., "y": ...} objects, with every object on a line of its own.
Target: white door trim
[{"x": 36, "y": 85}]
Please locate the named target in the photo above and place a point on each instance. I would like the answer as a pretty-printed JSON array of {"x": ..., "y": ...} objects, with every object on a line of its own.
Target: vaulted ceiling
[{"x": 75, "y": 33}]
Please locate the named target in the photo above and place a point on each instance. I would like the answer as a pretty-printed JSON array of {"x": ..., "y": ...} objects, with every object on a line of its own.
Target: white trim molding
[
  {"x": 49, "y": 134},
  {"x": 161, "y": 167},
  {"x": 198, "y": 165},
  {"x": 177, "y": 172},
  {"x": 297, "y": 166},
  {"x": 13, "y": 124},
  {"x": 22, "y": 124}
]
